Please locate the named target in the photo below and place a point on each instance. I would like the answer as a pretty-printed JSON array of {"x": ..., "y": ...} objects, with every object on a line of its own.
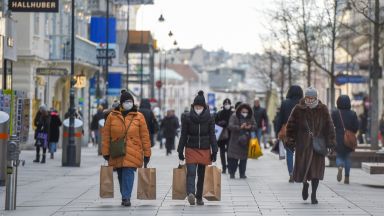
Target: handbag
[
  {"x": 117, "y": 148},
  {"x": 42, "y": 139},
  {"x": 350, "y": 139},
  {"x": 318, "y": 143}
]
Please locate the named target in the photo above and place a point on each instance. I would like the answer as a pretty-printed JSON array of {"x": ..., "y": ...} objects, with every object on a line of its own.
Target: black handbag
[{"x": 318, "y": 142}]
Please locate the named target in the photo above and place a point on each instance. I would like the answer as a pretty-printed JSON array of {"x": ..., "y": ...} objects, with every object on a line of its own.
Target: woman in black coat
[
  {"x": 294, "y": 95},
  {"x": 41, "y": 122},
  {"x": 349, "y": 118},
  {"x": 222, "y": 119},
  {"x": 54, "y": 132},
  {"x": 169, "y": 126}
]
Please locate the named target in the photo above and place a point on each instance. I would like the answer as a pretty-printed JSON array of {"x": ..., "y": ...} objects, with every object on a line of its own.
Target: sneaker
[
  {"x": 339, "y": 174},
  {"x": 126, "y": 202},
  {"x": 304, "y": 193},
  {"x": 191, "y": 199},
  {"x": 346, "y": 179},
  {"x": 199, "y": 202}
]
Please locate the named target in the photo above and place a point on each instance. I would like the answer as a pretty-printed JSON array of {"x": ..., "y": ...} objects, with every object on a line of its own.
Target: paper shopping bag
[
  {"x": 179, "y": 183},
  {"x": 212, "y": 184},
  {"x": 146, "y": 183},
  {"x": 106, "y": 182}
]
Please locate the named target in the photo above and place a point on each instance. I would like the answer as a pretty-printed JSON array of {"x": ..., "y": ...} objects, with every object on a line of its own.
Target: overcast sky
[{"x": 234, "y": 25}]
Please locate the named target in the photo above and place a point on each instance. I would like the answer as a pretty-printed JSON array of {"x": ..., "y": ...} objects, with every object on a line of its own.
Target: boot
[
  {"x": 304, "y": 193},
  {"x": 199, "y": 202},
  {"x": 346, "y": 179},
  {"x": 43, "y": 159},
  {"x": 339, "y": 174},
  {"x": 52, "y": 156},
  {"x": 314, "y": 199},
  {"x": 231, "y": 175},
  {"x": 126, "y": 202},
  {"x": 37, "y": 160}
]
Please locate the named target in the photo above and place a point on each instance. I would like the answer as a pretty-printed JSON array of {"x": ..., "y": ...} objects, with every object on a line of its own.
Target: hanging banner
[{"x": 46, "y": 6}]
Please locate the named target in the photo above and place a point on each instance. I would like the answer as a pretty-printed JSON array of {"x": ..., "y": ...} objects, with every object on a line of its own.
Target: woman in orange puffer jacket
[{"x": 126, "y": 121}]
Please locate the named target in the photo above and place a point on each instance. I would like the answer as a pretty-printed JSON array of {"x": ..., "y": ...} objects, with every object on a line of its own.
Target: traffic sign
[{"x": 342, "y": 79}]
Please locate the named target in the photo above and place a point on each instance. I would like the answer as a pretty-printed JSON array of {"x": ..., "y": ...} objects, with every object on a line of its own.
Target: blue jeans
[
  {"x": 289, "y": 157},
  {"x": 52, "y": 147},
  {"x": 126, "y": 176},
  {"x": 191, "y": 179},
  {"x": 344, "y": 161}
]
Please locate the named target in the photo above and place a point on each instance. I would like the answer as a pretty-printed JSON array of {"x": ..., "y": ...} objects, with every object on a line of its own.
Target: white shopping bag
[
  {"x": 281, "y": 150},
  {"x": 218, "y": 131}
]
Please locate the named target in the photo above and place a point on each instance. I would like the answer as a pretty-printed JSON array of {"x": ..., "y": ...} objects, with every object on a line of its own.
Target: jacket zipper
[{"x": 199, "y": 136}]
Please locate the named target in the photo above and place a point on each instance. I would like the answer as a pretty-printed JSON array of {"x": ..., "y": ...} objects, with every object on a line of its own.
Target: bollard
[
  {"x": 69, "y": 149},
  {"x": 11, "y": 182},
  {"x": 4, "y": 130},
  {"x": 100, "y": 136}
]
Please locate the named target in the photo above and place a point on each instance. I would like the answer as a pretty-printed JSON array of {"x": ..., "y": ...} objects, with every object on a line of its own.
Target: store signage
[
  {"x": 134, "y": 2},
  {"x": 51, "y": 71},
  {"x": 34, "y": 6},
  {"x": 342, "y": 79}
]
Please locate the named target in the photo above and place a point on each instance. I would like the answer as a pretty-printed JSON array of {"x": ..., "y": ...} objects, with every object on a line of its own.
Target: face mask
[
  {"x": 127, "y": 105},
  {"x": 198, "y": 112},
  {"x": 244, "y": 115},
  {"x": 227, "y": 106},
  {"x": 311, "y": 103}
]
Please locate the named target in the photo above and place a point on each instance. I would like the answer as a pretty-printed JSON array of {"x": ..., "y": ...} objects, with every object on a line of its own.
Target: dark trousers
[
  {"x": 223, "y": 157},
  {"x": 169, "y": 144},
  {"x": 191, "y": 179},
  {"x": 234, "y": 163},
  {"x": 38, "y": 150}
]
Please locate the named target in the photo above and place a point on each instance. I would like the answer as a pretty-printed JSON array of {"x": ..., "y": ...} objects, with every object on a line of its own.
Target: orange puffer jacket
[{"x": 137, "y": 139}]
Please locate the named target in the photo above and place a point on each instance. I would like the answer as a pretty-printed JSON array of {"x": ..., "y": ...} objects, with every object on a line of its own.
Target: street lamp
[
  {"x": 170, "y": 34},
  {"x": 161, "y": 18}
]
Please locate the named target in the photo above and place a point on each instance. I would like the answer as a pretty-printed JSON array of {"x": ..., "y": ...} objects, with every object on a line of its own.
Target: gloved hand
[
  {"x": 214, "y": 156},
  {"x": 181, "y": 156},
  {"x": 106, "y": 157},
  {"x": 146, "y": 161}
]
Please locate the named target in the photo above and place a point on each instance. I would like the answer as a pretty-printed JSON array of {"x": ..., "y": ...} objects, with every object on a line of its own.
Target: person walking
[
  {"x": 241, "y": 125},
  {"x": 344, "y": 119},
  {"x": 95, "y": 124},
  {"x": 169, "y": 126},
  {"x": 222, "y": 119},
  {"x": 127, "y": 123},
  {"x": 294, "y": 95},
  {"x": 41, "y": 122},
  {"x": 54, "y": 131},
  {"x": 310, "y": 126},
  {"x": 198, "y": 139},
  {"x": 261, "y": 118},
  {"x": 150, "y": 119}
]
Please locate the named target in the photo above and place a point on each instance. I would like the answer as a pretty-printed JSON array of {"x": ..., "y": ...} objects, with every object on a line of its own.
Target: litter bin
[
  {"x": 4, "y": 130},
  {"x": 78, "y": 140},
  {"x": 100, "y": 136}
]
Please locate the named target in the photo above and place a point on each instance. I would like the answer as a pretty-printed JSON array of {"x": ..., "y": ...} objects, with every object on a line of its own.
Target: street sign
[
  {"x": 46, "y": 6},
  {"x": 102, "y": 53},
  {"x": 133, "y": 2},
  {"x": 51, "y": 71},
  {"x": 102, "y": 62},
  {"x": 342, "y": 79}
]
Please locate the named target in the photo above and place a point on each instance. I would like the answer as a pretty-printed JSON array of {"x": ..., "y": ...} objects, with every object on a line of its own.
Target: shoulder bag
[
  {"x": 318, "y": 142},
  {"x": 350, "y": 140},
  {"x": 117, "y": 148}
]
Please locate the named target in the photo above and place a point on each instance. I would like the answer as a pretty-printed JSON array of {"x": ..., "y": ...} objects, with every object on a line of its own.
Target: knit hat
[
  {"x": 200, "y": 99},
  {"x": 238, "y": 104},
  {"x": 227, "y": 101},
  {"x": 43, "y": 107},
  {"x": 311, "y": 92},
  {"x": 125, "y": 95}
]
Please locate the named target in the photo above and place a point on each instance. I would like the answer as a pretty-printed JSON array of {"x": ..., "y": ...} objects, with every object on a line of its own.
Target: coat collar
[{"x": 302, "y": 105}]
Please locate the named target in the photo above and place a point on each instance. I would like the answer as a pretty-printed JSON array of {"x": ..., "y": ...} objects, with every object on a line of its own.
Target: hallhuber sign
[{"x": 33, "y": 5}]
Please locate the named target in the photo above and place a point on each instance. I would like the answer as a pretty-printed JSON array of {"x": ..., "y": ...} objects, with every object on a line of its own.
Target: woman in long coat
[
  {"x": 310, "y": 115},
  {"x": 241, "y": 124},
  {"x": 54, "y": 132},
  {"x": 199, "y": 142},
  {"x": 126, "y": 122},
  {"x": 350, "y": 122}
]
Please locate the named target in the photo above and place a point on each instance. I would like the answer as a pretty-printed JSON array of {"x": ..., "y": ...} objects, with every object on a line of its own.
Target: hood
[
  {"x": 246, "y": 106},
  {"x": 145, "y": 104},
  {"x": 343, "y": 102},
  {"x": 295, "y": 92}
]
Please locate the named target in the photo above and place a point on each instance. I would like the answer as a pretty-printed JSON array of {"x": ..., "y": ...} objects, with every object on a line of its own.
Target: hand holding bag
[
  {"x": 117, "y": 148},
  {"x": 350, "y": 139},
  {"x": 318, "y": 142}
]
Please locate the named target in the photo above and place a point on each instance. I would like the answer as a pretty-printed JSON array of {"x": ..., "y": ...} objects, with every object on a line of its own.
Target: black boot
[
  {"x": 315, "y": 184},
  {"x": 43, "y": 159},
  {"x": 126, "y": 202},
  {"x": 37, "y": 160},
  {"x": 52, "y": 156},
  {"x": 304, "y": 193}
]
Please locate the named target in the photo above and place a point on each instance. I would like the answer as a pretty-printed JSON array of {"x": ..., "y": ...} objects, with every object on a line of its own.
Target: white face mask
[
  {"x": 227, "y": 106},
  {"x": 198, "y": 111},
  {"x": 127, "y": 105},
  {"x": 244, "y": 115}
]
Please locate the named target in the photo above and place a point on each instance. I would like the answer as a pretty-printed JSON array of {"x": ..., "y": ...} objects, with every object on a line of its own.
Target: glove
[
  {"x": 146, "y": 161},
  {"x": 181, "y": 156},
  {"x": 214, "y": 156},
  {"x": 106, "y": 157}
]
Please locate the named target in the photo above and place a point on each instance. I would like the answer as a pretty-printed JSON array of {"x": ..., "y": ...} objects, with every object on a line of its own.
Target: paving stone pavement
[{"x": 49, "y": 189}]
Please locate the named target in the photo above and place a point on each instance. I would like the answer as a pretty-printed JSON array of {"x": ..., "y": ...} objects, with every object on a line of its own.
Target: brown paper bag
[
  {"x": 212, "y": 184},
  {"x": 179, "y": 183},
  {"x": 146, "y": 183},
  {"x": 106, "y": 182}
]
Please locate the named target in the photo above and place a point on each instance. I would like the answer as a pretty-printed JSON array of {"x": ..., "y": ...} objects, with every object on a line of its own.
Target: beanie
[
  {"x": 200, "y": 99},
  {"x": 227, "y": 101},
  {"x": 311, "y": 92},
  {"x": 125, "y": 95}
]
